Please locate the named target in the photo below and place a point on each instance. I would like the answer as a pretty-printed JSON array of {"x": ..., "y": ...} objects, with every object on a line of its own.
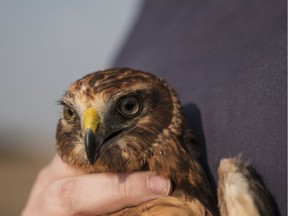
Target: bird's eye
[
  {"x": 129, "y": 106},
  {"x": 68, "y": 113}
]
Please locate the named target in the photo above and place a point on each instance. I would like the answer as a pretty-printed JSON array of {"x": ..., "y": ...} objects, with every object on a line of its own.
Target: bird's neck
[{"x": 186, "y": 173}]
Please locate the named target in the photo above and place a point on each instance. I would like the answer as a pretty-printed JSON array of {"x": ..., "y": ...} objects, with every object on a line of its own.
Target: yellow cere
[{"x": 90, "y": 119}]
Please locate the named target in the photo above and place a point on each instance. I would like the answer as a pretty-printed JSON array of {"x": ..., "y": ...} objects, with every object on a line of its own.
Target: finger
[
  {"x": 102, "y": 193},
  {"x": 56, "y": 169},
  {"x": 59, "y": 169}
]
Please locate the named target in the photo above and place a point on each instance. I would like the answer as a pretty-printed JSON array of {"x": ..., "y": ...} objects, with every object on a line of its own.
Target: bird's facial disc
[{"x": 91, "y": 141}]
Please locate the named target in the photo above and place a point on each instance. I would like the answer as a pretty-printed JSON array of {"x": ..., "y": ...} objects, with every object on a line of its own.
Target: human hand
[{"x": 63, "y": 190}]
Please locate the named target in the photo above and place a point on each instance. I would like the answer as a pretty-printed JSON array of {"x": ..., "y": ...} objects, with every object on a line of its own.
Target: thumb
[
  {"x": 137, "y": 188},
  {"x": 104, "y": 193}
]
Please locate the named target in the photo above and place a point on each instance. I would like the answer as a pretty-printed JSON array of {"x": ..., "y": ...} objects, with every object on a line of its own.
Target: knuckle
[{"x": 63, "y": 195}]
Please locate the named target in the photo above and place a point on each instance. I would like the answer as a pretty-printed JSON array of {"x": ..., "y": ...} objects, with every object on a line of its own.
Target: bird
[
  {"x": 241, "y": 190},
  {"x": 127, "y": 120}
]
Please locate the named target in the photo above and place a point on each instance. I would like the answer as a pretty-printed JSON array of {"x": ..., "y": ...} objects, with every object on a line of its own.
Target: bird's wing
[{"x": 167, "y": 206}]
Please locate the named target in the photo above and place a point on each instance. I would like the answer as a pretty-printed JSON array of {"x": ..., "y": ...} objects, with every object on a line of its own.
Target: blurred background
[{"x": 44, "y": 47}]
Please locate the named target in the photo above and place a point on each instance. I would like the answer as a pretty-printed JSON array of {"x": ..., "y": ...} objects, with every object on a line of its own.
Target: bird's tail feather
[{"x": 241, "y": 191}]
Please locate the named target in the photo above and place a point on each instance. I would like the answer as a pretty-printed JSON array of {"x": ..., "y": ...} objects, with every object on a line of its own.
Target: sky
[{"x": 44, "y": 47}]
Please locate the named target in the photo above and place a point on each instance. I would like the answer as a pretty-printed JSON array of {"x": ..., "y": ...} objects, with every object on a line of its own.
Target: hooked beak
[{"x": 92, "y": 141}]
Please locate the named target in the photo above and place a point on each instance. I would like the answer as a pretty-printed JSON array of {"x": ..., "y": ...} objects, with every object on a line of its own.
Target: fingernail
[{"x": 158, "y": 185}]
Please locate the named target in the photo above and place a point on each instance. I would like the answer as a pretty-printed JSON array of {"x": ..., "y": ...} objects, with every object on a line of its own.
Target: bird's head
[{"x": 117, "y": 120}]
